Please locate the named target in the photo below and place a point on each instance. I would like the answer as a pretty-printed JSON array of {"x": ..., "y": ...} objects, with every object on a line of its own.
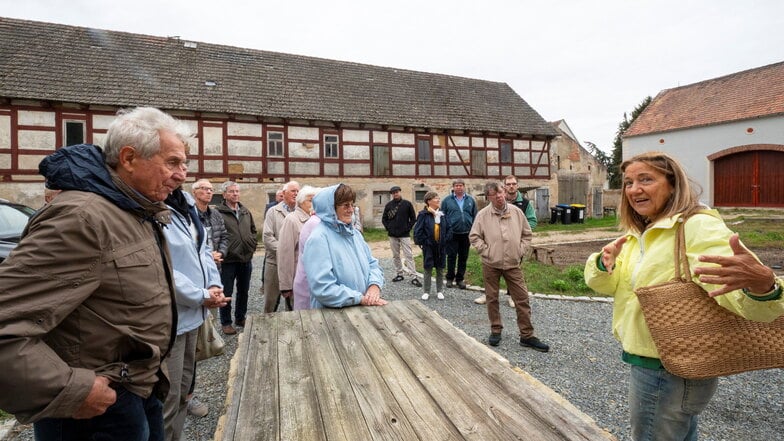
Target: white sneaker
[
  {"x": 425, "y": 296},
  {"x": 481, "y": 300},
  {"x": 510, "y": 301},
  {"x": 440, "y": 295}
]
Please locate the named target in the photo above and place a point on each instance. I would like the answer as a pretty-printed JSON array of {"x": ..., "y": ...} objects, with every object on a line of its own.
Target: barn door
[{"x": 749, "y": 179}]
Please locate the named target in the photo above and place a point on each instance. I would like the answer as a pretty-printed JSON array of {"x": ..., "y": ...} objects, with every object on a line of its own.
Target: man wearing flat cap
[{"x": 399, "y": 218}]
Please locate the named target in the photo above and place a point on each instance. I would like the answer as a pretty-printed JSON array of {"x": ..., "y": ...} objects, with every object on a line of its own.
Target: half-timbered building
[{"x": 262, "y": 118}]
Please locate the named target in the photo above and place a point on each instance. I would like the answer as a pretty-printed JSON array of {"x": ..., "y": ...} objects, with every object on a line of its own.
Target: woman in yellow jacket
[{"x": 658, "y": 196}]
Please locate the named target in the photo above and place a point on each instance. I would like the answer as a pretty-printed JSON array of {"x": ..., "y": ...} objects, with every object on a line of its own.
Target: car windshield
[{"x": 13, "y": 219}]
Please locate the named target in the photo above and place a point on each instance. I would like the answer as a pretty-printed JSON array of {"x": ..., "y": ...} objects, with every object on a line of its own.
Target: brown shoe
[{"x": 229, "y": 330}]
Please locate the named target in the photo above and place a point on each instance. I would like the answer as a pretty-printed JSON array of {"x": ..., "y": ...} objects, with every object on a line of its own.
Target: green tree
[{"x": 614, "y": 169}]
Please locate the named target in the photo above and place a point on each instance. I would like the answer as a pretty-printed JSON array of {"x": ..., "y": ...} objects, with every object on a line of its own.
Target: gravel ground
[{"x": 583, "y": 365}]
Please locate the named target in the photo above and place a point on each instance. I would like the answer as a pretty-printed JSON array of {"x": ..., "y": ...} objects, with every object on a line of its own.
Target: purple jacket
[{"x": 301, "y": 290}]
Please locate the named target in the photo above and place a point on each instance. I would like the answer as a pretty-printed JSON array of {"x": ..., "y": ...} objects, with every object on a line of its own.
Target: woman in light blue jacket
[
  {"x": 197, "y": 286},
  {"x": 341, "y": 270}
]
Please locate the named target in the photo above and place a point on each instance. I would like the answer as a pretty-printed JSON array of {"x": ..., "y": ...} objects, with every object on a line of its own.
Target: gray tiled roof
[{"x": 74, "y": 64}]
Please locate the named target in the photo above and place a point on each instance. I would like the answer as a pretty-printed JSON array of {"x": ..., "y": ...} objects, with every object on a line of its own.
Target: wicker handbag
[{"x": 696, "y": 338}]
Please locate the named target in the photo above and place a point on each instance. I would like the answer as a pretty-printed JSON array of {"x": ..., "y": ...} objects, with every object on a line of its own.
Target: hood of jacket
[
  {"x": 324, "y": 206},
  {"x": 82, "y": 167}
]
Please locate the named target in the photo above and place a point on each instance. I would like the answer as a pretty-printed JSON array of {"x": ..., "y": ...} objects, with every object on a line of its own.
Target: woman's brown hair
[{"x": 344, "y": 194}]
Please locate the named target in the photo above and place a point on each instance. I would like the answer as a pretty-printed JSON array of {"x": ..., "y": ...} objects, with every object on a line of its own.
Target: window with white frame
[
  {"x": 73, "y": 133},
  {"x": 331, "y": 146},
  {"x": 275, "y": 144}
]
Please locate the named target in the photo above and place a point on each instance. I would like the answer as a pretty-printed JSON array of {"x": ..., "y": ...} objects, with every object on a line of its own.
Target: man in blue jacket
[{"x": 459, "y": 209}]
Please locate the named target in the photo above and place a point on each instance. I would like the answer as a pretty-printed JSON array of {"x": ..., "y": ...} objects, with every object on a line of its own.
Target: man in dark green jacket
[{"x": 238, "y": 263}]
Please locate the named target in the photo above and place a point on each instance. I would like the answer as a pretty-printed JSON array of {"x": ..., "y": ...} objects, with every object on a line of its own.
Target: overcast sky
[{"x": 587, "y": 62}]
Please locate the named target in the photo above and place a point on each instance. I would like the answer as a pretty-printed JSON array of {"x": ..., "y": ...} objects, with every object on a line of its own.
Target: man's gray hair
[
  {"x": 228, "y": 184},
  {"x": 196, "y": 185},
  {"x": 140, "y": 128},
  {"x": 305, "y": 192},
  {"x": 287, "y": 185},
  {"x": 494, "y": 186}
]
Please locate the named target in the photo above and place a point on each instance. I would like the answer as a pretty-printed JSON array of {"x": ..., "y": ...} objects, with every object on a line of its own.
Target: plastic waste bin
[
  {"x": 578, "y": 213},
  {"x": 566, "y": 213},
  {"x": 555, "y": 214}
]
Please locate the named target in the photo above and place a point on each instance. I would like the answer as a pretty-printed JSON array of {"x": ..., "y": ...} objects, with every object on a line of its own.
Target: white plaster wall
[
  {"x": 243, "y": 129},
  {"x": 251, "y": 167},
  {"x": 477, "y": 141},
  {"x": 5, "y": 132},
  {"x": 239, "y": 147},
  {"x": 99, "y": 138},
  {"x": 332, "y": 169},
  {"x": 402, "y": 154},
  {"x": 380, "y": 137},
  {"x": 274, "y": 167},
  {"x": 296, "y": 132},
  {"x": 213, "y": 140},
  {"x": 357, "y": 135},
  {"x": 423, "y": 170},
  {"x": 692, "y": 146},
  {"x": 35, "y": 118},
  {"x": 357, "y": 170},
  {"x": 403, "y": 138},
  {"x": 300, "y": 150},
  {"x": 213, "y": 166},
  {"x": 303, "y": 168},
  {"x": 5, "y": 161},
  {"x": 30, "y": 162},
  {"x": 29, "y": 139},
  {"x": 492, "y": 143},
  {"x": 460, "y": 141},
  {"x": 356, "y": 152},
  {"x": 101, "y": 122}
]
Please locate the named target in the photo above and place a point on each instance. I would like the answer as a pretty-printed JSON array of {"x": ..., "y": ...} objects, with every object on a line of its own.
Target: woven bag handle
[{"x": 682, "y": 270}]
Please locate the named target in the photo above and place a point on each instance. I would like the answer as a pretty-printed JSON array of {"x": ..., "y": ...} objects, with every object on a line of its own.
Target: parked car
[{"x": 13, "y": 219}]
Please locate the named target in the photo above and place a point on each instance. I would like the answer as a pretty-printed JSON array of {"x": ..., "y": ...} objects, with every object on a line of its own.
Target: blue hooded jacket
[
  {"x": 81, "y": 167},
  {"x": 337, "y": 259}
]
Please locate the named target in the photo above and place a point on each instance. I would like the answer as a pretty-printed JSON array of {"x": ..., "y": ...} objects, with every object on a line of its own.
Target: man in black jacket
[{"x": 399, "y": 218}]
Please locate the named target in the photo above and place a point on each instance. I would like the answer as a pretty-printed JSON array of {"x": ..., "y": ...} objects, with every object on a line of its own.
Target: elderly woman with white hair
[{"x": 288, "y": 240}]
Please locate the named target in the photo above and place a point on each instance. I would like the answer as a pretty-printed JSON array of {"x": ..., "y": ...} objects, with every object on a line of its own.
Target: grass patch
[
  {"x": 759, "y": 233},
  {"x": 540, "y": 277}
]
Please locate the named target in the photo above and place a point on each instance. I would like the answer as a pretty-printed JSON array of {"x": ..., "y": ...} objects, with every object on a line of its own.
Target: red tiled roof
[{"x": 743, "y": 95}]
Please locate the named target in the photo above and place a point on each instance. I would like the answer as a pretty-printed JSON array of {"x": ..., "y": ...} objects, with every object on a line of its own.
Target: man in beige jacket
[{"x": 502, "y": 236}]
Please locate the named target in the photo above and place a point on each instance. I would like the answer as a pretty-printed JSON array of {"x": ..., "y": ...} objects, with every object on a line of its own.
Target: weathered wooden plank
[
  {"x": 418, "y": 407},
  {"x": 437, "y": 376},
  {"x": 300, "y": 417},
  {"x": 340, "y": 411},
  {"x": 227, "y": 423},
  {"x": 381, "y": 410},
  {"x": 565, "y": 419},
  {"x": 258, "y": 415}
]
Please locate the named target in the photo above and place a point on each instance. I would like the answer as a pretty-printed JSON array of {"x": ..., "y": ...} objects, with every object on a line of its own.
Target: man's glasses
[{"x": 207, "y": 189}]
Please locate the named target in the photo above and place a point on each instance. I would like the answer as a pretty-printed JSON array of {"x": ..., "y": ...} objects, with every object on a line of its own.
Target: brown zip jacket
[{"x": 86, "y": 292}]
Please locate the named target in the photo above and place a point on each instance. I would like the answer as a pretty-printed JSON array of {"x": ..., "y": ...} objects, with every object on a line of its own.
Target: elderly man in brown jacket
[
  {"x": 86, "y": 299},
  {"x": 502, "y": 236}
]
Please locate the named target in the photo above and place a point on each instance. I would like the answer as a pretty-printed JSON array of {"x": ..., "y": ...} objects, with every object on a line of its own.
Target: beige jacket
[
  {"x": 501, "y": 240},
  {"x": 288, "y": 247},
  {"x": 272, "y": 223},
  {"x": 85, "y": 293}
]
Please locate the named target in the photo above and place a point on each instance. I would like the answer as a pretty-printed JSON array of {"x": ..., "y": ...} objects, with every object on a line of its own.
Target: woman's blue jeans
[
  {"x": 130, "y": 418},
  {"x": 664, "y": 407}
]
